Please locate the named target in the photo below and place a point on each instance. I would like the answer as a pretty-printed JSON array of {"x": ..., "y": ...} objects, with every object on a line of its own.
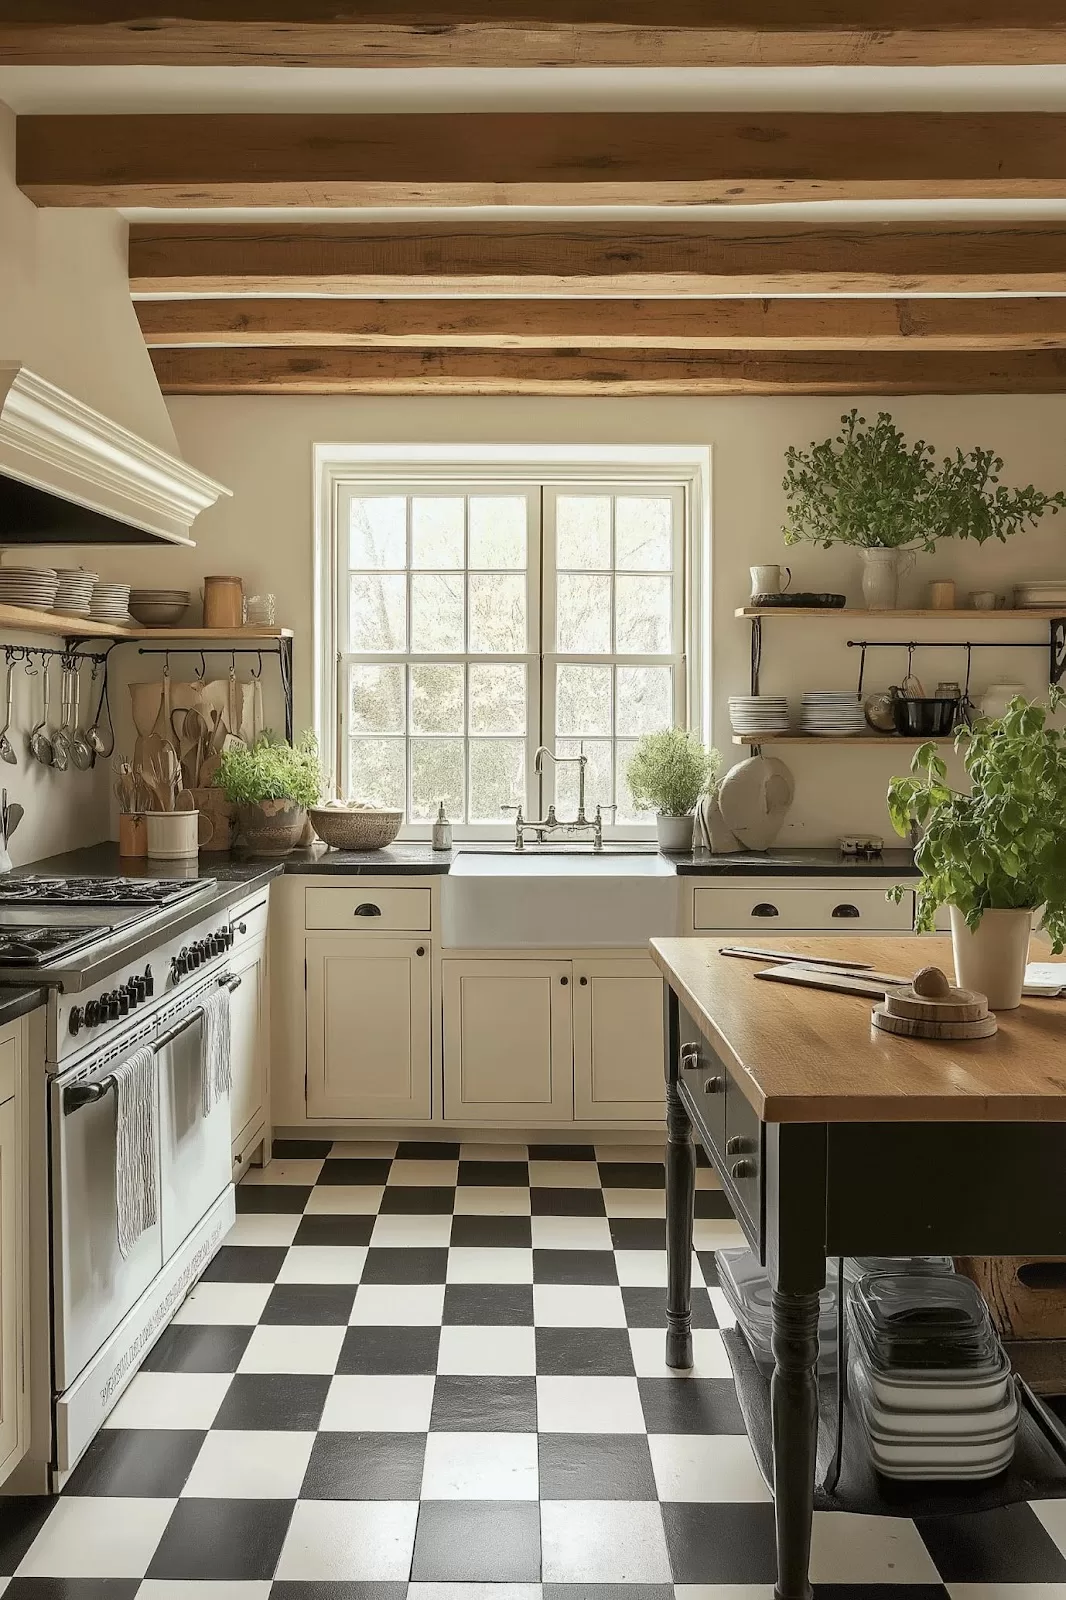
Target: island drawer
[
  {"x": 743, "y": 1167},
  {"x": 368, "y": 909},
  {"x": 704, "y": 1078},
  {"x": 768, "y": 908}
]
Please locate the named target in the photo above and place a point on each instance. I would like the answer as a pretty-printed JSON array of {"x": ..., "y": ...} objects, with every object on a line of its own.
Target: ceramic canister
[{"x": 173, "y": 835}]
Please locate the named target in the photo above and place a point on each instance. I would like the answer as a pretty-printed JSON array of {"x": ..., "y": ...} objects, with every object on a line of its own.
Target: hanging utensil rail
[{"x": 282, "y": 648}]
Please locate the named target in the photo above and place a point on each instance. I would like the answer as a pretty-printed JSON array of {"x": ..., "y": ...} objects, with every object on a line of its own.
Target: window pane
[
  {"x": 498, "y": 614},
  {"x": 583, "y": 531},
  {"x": 643, "y": 533},
  {"x": 377, "y": 532},
  {"x": 583, "y": 699},
  {"x": 597, "y": 777},
  {"x": 377, "y": 773},
  {"x": 642, "y": 618},
  {"x": 378, "y": 616},
  {"x": 436, "y": 775},
  {"x": 645, "y": 699},
  {"x": 376, "y": 698},
  {"x": 436, "y": 531},
  {"x": 497, "y": 697},
  {"x": 627, "y": 810},
  {"x": 498, "y": 530},
  {"x": 437, "y": 698},
  {"x": 497, "y": 777},
  {"x": 437, "y": 612},
  {"x": 584, "y": 615}
]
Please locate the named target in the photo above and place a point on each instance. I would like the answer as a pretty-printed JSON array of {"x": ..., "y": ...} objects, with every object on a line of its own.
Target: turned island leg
[
  {"x": 680, "y": 1193},
  {"x": 794, "y": 1405}
]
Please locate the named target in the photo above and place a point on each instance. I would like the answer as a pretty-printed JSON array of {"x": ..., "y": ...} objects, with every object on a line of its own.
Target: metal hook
[
  {"x": 259, "y": 658},
  {"x": 862, "y": 670},
  {"x": 233, "y": 663},
  {"x": 201, "y": 676},
  {"x": 166, "y": 663}
]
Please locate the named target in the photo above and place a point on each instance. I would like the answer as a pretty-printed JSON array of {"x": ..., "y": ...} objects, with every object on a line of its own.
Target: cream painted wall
[{"x": 262, "y": 447}]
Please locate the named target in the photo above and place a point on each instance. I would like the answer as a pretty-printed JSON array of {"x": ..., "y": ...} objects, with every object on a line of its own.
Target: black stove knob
[
  {"x": 76, "y": 1017},
  {"x": 111, "y": 1002},
  {"x": 149, "y": 982},
  {"x": 131, "y": 990},
  {"x": 140, "y": 988},
  {"x": 196, "y": 955},
  {"x": 123, "y": 1002},
  {"x": 92, "y": 1014}
]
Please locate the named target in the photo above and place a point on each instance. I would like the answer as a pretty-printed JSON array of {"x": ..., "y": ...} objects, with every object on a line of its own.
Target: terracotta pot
[
  {"x": 992, "y": 959},
  {"x": 272, "y": 827}
]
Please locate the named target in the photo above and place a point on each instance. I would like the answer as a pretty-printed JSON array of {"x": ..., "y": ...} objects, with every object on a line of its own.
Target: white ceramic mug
[
  {"x": 173, "y": 835},
  {"x": 983, "y": 600},
  {"x": 767, "y": 580}
]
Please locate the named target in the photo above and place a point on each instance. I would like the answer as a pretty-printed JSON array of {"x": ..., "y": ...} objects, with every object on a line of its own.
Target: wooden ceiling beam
[
  {"x": 600, "y": 372},
  {"x": 993, "y": 324},
  {"x": 598, "y": 259},
  {"x": 539, "y": 159},
  {"x": 533, "y": 33}
]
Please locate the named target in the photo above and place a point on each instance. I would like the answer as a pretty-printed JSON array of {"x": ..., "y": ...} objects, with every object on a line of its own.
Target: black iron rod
[{"x": 947, "y": 644}]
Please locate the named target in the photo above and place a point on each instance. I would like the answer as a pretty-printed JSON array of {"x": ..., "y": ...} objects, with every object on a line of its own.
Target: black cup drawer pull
[
  {"x": 845, "y": 910},
  {"x": 367, "y": 909},
  {"x": 765, "y": 909}
]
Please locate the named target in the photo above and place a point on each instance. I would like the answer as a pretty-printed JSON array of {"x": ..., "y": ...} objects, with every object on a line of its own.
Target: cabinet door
[
  {"x": 508, "y": 1041},
  {"x": 10, "y": 1289},
  {"x": 368, "y": 1027},
  {"x": 618, "y": 1039},
  {"x": 249, "y": 1041}
]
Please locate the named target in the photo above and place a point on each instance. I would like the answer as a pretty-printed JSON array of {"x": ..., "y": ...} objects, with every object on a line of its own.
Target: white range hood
[{"x": 69, "y": 475}]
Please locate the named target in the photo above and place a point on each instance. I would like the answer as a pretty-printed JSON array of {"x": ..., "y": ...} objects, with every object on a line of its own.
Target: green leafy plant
[
  {"x": 971, "y": 502},
  {"x": 272, "y": 769},
  {"x": 1002, "y": 846},
  {"x": 669, "y": 771}
]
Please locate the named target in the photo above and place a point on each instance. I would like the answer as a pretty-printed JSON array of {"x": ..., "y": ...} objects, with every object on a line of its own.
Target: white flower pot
[
  {"x": 992, "y": 959},
  {"x": 674, "y": 833},
  {"x": 880, "y": 578}
]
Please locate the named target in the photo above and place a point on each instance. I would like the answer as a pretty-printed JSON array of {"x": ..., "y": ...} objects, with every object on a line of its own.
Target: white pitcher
[{"x": 767, "y": 580}]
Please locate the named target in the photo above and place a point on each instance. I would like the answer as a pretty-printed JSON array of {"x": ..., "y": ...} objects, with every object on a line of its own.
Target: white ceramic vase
[
  {"x": 674, "y": 834},
  {"x": 992, "y": 959},
  {"x": 880, "y": 578}
]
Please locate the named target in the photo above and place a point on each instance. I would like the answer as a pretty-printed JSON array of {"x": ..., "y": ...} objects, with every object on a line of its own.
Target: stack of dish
[
  {"x": 747, "y": 1293},
  {"x": 159, "y": 608},
  {"x": 930, "y": 1380},
  {"x": 1040, "y": 592},
  {"x": 832, "y": 712},
  {"x": 74, "y": 594},
  {"x": 33, "y": 587},
  {"x": 110, "y": 602},
  {"x": 753, "y": 715}
]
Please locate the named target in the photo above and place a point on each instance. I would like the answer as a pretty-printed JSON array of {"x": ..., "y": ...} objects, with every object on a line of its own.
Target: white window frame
[{"x": 418, "y": 468}]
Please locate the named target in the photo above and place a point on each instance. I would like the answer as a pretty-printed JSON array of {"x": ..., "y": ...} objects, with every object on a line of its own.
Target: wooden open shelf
[
  {"x": 844, "y": 738},
  {"x": 23, "y": 619},
  {"x": 1030, "y": 613}
]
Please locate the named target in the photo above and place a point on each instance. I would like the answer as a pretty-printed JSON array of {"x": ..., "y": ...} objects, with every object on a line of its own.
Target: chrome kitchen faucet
[{"x": 551, "y": 823}]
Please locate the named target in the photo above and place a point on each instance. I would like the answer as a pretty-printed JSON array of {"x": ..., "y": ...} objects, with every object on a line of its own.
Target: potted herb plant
[
  {"x": 271, "y": 783},
  {"x": 668, "y": 773},
  {"x": 994, "y": 855}
]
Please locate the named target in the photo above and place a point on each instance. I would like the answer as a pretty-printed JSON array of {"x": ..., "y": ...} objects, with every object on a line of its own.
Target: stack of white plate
[
  {"x": 110, "y": 601},
  {"x": 159, "y": 608},
  {"x": 74, "y": 594},
  {"x": 832, "y": 712},
  {"x": 1040, "y": 592},
  {"x": 753, "y": 715},
  {"x": 33, "y": 587}
]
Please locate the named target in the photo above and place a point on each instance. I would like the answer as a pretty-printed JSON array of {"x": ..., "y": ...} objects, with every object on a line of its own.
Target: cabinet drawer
[
  {"x": 744, "y": 1157},
  {"x": 9, "y": 1061},
  {"x": 705, "y": 1079},
  {"x": 836, "y": 908},
  {"x": 368, "y": 909}
]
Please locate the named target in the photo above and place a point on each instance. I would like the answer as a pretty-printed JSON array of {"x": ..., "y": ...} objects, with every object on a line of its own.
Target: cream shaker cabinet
[
  {"x": 618, "y": 1039},
  {"x": 13, "y": 1223},
  {"x": 250, "y": 1034},
  {"x": 368, "y": 1027},
  {"x": 508, "y": 1041}
]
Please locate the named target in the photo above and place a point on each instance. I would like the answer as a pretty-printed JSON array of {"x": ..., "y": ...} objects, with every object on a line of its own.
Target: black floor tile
[
  {"x": 334, "y": 1230},
  {"x": 196, "y": 1347},
  {"x": 274, "y": 1199},
  {"x": 646, "y": 1308},
  {"x": 632, "y": 1174},
  {"x": 426, "y": 1150},
  {"x": 73, "y": 1588},
  {"x": 595, "y": 1466},
  {"x": 371, "y": 1170},
  {"x": 245, "y": 1263},
  {"x": 562, "y": 1152},
  {"x": 720, "y": 1543},
  {"x": 394, "y": 1349},
  {"x": 152, "y": 1463},
  {"x": 310, "y": 1304},
  {"x": 574, "y": 1266},
  {"x": 712, "y": 1203},
  {"x": 413, "y": 1264},
  {"x": 477, "y": 1541},
  {"x": 365, "y": 1466},
  {"x": 495, "y": 1174},
  {"x": 415, "y": 1199},
  {"x": 287, "y": 1401},
  {"x": 709, "y": 1267},
  {"x": 499, "y": 1232},
  {"x": 638, "y": 1233},
  {"x": 550, "y": 1202},
  {"x": 690, "y": 1405},
  {"x": 324, "y": 1589},
  {"x": 305, "y": 1149},
  {"x": 488, "y": 1305},
  {"x": 222, "y": 1539},
  {"x": 702, "y": 1158},
  {"x": 584, "y": 1353},
  {"x": 21, "y": 1520},
  {"x": 484, "y": 1405},
  {"x": 1010, "y": 1545}
]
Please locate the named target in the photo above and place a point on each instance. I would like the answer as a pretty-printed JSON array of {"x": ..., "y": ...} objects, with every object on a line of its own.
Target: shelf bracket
[{"x": 1057, "y": 664}]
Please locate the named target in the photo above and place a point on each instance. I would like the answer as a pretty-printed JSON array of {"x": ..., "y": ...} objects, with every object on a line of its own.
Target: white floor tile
[
  {"x": 323, "y": 1263},
  {"x": 480, "y": 1466},
  {"x": 440, "y": 1174},
  {"x": 855, "y": 1549},
  {"x": 1052, "y": 1514},
  {"x": 90, "y": 1537},
  {"x": 589, "y": 1405},
  {"x": 285, "y": 1169},
  {"x": 288, "y": 1347},
  {"x": 649, "y": 1355},
  {"x": 369, "y": 1540},
  {"x": 263, "y": 1228},
  {"x": 693, "y": 1466},
  {"x": 571, "y": 1233},
  {"x": 633, "y": 1202},
  {"x": 386, "y": 1305},
  {"x": 249, "y": 1465},
  {"x": 713, "y": 1233},
  {"x": 646, "y": 1269},
  {"x": 707, "y": 1178},
  {"x": 399, "y": 1229},
  {"x": 475, "y": 1200},
  {"x": 224, "y": 1305},
  {"x": 723, "y": 1591},
  {"x": 1003, "y": 1591},
  {"x": 343, "y": 1200},
  {"x": 364, "y": 1149},
  {"x": 495, "y": 1352},
  {"x": 378, "y": 1405},
  {"x": 565, "y": 1305},
  {"x": 493, "y": 1152},
  {"x": 603, "y": 1541},
  {"x": 472, "y": 1265},
  {"x": 170, "y": 1400},
  {"x": 563, "y": 1175},
  {"x": 206, "y": 1589},
  {"x": 654, "y": 1150},
  {"x": 723, "y": 1314}
]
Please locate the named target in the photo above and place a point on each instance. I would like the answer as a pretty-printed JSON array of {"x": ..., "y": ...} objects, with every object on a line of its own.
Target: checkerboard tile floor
[{"x": 437, "y": 1371}]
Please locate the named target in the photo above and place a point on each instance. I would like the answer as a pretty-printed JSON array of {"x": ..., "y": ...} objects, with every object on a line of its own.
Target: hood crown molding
[{"x": 55, "y": 443}]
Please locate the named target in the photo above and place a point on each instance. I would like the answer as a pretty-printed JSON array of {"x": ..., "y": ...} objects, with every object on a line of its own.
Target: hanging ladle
[
  {"x": 81, "y": 751},
  {"x": 40, "y": 744},
  {"x": 7, "y": 749},
  {"x": 61, "y": 736},
  {"x": 96, "y": 739}
]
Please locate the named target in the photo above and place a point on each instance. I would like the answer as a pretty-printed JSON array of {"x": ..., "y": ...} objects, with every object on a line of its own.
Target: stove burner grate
[
  {"x": 98, "y": 891},
  {"x": 33, "y": 947}
]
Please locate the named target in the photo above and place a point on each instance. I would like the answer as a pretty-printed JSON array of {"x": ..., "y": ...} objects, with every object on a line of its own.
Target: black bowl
[{"x": 924, "y": 719}]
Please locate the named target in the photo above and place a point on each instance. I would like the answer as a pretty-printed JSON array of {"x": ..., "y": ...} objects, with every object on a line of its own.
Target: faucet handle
[
  {"x": 601, "y": 809},
  {"x": 517, "y": 809}
]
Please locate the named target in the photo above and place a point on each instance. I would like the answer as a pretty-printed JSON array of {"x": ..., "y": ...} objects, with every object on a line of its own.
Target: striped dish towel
[
  {"x": 136, "y": 1147},
  {"x": 216, "y": 1077}
]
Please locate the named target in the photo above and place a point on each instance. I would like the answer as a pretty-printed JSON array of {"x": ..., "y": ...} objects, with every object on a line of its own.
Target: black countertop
[
  {"x": 15, "y": 1002},
  {"x": 796, "y": 863}
]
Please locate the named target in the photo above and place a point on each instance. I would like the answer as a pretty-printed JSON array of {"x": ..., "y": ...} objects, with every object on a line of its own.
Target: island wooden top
[{"x": 807, "y": 1055}]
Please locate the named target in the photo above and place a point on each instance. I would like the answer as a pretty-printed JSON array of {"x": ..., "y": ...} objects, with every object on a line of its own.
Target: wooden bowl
[{"x": 344, "y": 829}]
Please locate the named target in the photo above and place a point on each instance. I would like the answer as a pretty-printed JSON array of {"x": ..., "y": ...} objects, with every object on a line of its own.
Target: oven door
[{"x": 194, "y": 1150}]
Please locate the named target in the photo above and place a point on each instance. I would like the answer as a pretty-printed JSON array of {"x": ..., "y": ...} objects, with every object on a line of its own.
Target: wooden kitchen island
[{"x": 834, "y": 1140}]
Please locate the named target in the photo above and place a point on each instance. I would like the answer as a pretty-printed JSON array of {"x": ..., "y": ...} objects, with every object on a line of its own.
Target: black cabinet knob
[
  {"x": 564, "y": 982},
  {"x": 421, "y": 950},
  {"x": 713, "y": 1086},
  {"x": 584, "y": 982}
]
